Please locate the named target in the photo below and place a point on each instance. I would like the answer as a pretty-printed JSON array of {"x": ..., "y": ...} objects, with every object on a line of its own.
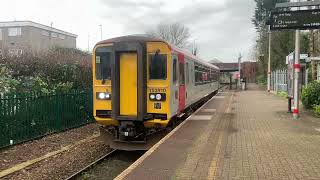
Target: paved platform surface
[{"x": 237, "y": 135}]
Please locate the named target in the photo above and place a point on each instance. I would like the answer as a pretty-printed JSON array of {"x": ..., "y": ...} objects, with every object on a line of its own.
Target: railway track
[
  {"x": 112, "y": 153},
  {"x": 78, "y": 173}
]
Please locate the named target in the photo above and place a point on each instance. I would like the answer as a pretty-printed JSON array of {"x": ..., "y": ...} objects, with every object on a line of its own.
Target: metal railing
[
  {"x": 279, "y": 80},
  {"x": 26, "y": 116}
]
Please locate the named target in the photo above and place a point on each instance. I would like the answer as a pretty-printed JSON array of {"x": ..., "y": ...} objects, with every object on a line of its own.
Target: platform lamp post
[
  {"x": 100, "y": 31},
  {"x": 194, "y": 47},
  {"x": 269, "y": 62}
]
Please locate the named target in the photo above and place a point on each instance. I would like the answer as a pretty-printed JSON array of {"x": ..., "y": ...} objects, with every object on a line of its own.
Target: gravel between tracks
[{"x": 59, "y": 166}]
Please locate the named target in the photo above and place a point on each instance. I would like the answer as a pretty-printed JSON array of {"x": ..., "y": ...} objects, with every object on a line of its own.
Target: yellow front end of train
[{"x": 131, "y": 88}]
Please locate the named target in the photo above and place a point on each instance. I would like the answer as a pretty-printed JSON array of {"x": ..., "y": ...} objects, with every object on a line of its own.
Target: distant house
[{"x": 16, "y": 36}]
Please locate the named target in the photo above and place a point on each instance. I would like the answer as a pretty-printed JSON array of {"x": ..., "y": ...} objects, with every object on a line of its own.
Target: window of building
[
  {"x": 15, "y": 52},
  {"x": 45, "y": 33},
  {"x": 158, "y": 66},
  {"x": 14, "y": 31},
  {"x": 54, "y": 35},
  {"x": 174, "y": 71},
  {"x": 103, "y": 63},
  {"x": 61, "y": 36}
]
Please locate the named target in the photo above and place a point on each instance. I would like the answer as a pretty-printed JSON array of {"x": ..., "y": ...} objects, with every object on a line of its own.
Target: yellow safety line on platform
[
  {"x": 214, "y": 162},
  {"x": 25, "y": 164},
  {"x": 153, "y": 148}
]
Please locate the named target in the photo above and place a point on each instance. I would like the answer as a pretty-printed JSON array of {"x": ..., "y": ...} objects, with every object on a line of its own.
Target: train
[{"x": 142, "y": 85}]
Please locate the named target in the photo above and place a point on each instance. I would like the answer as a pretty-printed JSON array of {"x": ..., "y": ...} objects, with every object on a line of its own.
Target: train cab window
[
  {"x": 181, "y": 74},
  {"x": 174, "y": 71},
  {"x": 158, "y": 66},
  {"x": 103, "y": 63}
]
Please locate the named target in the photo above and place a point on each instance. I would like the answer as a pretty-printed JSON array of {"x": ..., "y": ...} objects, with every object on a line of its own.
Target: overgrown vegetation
[
  {"x": 311, "y": 97},
  {"x": 283, "y": 94},
  {"x": 316, "y": 110},
  {"x": 261, "y": 80},
  {"x": 59, "y": 69}
]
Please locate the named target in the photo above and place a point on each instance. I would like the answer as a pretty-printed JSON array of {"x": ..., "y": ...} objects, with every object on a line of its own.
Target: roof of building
[
  {"x": 227, "y": 66},
  {"x": 144, "y": 38},
  {"x": 34, "y": 24},
  {"x": 230, "y": 67}
]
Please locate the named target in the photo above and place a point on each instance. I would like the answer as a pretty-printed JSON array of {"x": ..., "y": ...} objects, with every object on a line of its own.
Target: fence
[
  {"x": 279, "y": 80},
  {"x": 31, "y": 115}
]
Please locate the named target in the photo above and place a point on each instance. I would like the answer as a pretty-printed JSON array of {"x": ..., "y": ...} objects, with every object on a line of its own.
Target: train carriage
[{"x": 141, "y": 84}]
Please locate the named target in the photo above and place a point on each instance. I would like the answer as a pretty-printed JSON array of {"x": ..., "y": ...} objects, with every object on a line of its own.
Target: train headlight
[
  {"x": 152, "y": 96},
  {"x": 158, "y": 97},
  {"x": 103, "y": 96}
]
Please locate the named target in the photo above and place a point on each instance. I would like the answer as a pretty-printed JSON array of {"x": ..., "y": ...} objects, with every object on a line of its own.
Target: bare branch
[{"x": 174, "y": 33}]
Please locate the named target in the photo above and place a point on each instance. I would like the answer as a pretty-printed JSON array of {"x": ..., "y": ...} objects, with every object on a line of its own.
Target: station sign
[{"x": 301, "y": 19}]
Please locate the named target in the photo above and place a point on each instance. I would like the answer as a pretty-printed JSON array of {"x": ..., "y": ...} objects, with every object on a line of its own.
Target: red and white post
[{"x": 296, "y": 76}]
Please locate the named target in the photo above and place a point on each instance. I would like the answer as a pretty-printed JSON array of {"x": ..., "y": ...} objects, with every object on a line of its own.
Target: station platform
[{"x": 236, "y": 135}]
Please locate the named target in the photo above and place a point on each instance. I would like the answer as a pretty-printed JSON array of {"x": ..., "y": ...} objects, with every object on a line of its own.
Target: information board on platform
[{"x": 302, "y": 19}]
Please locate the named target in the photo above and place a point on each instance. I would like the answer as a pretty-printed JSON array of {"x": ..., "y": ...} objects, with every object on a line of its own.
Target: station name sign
[{"x": 302, "y": 19}]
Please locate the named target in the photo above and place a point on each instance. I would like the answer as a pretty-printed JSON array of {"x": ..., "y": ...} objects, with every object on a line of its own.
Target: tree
[{"x": 174, "y": 33}]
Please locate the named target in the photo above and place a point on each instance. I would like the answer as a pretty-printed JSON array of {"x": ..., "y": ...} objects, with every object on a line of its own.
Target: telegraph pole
[
  {"x": 269, "y": 61},
  {"x": 100, "y": 31},
  {"x": 239, "y": 63},
  {"x": 88, "y": 42}
]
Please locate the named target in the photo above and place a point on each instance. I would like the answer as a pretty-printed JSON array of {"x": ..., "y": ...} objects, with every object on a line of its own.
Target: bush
[
  {"x": 316, "y": 110},
  {"x": 60, "y": 69},
  {"x": 7, "y": 83},
  {"x": 311, "y": 95},
  {"x": 262, "y": 80}
]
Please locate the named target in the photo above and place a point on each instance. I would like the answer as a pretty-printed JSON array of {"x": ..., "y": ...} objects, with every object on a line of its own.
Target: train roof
[{"x": 143, "y": 38}]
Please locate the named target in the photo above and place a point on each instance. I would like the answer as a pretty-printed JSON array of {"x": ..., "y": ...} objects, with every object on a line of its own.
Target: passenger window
[
  {"x": 103, "y": 63},
  {"x": 174, "y": 71},
  {"x": 181, "y": 74},
  {"x": 158, "y": 66}
]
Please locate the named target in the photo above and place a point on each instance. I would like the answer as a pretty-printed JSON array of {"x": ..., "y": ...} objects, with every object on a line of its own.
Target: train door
[
  {"x": 187, "y": 81},
  {"x": 182, "y": 87},
  {"x": 128, "y": 84}
]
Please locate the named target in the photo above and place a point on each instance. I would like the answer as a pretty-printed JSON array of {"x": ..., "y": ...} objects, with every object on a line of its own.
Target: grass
[{"x": 282, "y": 94}]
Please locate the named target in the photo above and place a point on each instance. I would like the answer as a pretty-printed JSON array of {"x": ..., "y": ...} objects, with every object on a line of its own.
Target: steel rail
[{"x": 73, "y": 176}]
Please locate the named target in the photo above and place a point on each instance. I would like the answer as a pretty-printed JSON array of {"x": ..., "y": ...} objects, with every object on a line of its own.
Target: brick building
[{"x": 16, "y": 36}]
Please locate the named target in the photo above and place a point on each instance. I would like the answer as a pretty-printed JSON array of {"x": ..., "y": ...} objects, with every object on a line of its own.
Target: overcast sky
[{"x": 221, "y": 28}]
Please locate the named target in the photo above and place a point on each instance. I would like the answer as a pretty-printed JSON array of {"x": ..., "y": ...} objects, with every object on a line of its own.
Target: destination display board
[{"x": 302, "y": 19}]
